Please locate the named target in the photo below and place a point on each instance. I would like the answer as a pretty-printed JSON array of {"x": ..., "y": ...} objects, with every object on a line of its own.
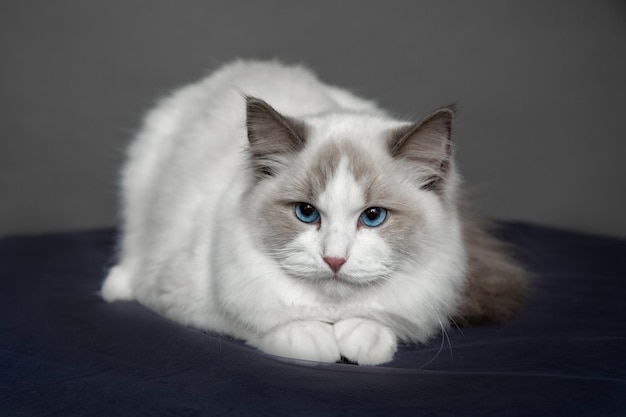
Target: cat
[{"x": 263, "y": 204}]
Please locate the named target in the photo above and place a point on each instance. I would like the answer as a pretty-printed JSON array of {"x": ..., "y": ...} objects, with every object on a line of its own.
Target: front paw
[
  {"x": 307, "y": 340},
  {"x": 365, "y": 342}
]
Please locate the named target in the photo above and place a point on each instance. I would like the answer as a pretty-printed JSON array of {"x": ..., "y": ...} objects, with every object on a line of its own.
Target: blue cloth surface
[{"x": 65, "y": 352}]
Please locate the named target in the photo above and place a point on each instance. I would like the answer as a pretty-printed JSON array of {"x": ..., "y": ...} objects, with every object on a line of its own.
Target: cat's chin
[
  {"x": 336, "y": 289},
  {"x": 338, "y": 286}
]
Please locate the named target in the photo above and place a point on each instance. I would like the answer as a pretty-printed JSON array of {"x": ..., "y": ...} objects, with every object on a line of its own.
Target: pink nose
[{"x": 334, "y": 263}]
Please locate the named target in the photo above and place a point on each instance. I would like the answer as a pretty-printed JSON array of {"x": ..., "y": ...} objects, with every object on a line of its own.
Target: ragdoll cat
[{"x": 263, "y": 204}]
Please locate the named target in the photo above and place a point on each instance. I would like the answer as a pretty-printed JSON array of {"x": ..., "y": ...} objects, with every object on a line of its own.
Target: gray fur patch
[{"x": 326, "y": 162}]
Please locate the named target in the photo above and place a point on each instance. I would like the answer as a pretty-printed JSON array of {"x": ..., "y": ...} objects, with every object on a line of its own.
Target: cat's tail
[
  {"x": 117, "y": 285},
  {"x": 497, "y": 285}
]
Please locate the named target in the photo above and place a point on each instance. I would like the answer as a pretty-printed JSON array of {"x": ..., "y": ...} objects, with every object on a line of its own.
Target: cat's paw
[
  {"x": 117, "y": 285},
  {"x": 307, "y": 340},
  {"x": 365, "y": 342}
]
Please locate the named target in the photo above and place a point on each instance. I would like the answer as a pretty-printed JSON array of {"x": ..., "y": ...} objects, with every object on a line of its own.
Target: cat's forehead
[
  {"x": 330, "y": 157},
  {"x": 350, "y": 150},
  {"x": 343, "y": 170}
]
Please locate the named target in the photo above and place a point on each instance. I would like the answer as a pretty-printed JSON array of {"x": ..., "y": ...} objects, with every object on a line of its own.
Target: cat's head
[{"x": 344, "y": 201}]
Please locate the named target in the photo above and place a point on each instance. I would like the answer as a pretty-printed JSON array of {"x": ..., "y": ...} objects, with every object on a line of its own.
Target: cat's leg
[
  {"x": 307, "y": 340},
  {"x": 364, "y": 341}
]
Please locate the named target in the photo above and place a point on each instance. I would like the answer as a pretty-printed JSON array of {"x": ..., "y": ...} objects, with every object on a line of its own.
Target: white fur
[{"x": 190, "y": 252}]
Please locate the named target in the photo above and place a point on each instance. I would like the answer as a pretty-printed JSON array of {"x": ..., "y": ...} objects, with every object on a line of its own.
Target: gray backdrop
[{"x": 541, "y": 88}]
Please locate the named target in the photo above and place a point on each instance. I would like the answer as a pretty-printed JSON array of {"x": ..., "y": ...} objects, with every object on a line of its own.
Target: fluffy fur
[{"x": 211, "y": 238}]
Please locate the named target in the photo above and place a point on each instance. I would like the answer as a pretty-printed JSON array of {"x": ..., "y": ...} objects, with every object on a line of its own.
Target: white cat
[{"x": 266, "y": 205}]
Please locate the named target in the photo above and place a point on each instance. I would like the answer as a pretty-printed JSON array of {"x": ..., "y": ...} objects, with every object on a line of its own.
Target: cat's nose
[{"x": 334, "y": 263}]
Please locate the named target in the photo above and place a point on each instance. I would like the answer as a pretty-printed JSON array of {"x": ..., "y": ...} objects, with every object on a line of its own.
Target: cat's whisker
[
  {"x": 443, "y": 327},
  {"x": 456, "y": 325},
  {"x": 436, "y": 354},
  {"x": 447, "y": 336}
]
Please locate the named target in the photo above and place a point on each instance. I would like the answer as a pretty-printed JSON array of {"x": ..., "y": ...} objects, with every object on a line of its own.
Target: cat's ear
[
  {"x": 272, "y": 137},
  {"x": 428, "y": 143}
]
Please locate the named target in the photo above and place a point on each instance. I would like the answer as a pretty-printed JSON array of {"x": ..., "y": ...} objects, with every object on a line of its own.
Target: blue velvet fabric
[{"x": 64, "y": 351}]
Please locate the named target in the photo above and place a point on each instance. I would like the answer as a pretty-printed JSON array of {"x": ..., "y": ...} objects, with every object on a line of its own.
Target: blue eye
[
  {"x": 306, "y": 213},
  {"x": 373, "y": 216}
]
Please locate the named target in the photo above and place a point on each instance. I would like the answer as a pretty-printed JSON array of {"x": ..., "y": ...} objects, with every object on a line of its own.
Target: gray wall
[{"x": 541, "y": 87}]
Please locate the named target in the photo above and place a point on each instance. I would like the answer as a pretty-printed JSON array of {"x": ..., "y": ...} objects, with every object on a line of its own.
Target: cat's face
[
  {"x": 339, "y": 213},
  {"x": 338, "y": 221}
]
